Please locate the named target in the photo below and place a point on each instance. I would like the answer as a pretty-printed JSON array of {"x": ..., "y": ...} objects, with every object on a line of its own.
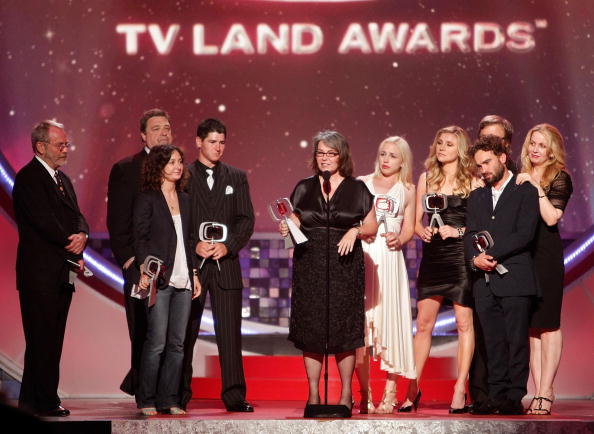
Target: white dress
[{"x": 387, "y": 293}]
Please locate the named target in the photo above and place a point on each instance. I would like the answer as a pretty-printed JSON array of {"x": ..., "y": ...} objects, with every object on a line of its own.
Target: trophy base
[{"x": 327, "y": 411}]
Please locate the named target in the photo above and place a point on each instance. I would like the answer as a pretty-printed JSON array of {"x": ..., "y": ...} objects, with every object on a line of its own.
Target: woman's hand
[
  {"x": 392, "y": 240},
  {"x": 197, "y": 287},
  {"x": 525, "y": 177},
  {"x": 427, "y": 234},
  {"x": 283, "y": 228},
  {"x": 347, "y": 242},
  {"x": 447, "y": 231}
]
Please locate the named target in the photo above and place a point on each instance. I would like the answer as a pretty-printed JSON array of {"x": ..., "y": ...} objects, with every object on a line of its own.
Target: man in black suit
[
  {"x": 509, "y": 212},
  {"x": 52, "y": 236},
  {"x": 219, "y": 193},
  {"x": 478, "y": 387},
  {"x": 123, "y": 186}
]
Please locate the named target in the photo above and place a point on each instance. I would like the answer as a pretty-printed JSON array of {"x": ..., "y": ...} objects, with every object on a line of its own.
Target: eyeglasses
[
  {"x": 329, "y": 154},
  {"x": 60, "y": 146}
]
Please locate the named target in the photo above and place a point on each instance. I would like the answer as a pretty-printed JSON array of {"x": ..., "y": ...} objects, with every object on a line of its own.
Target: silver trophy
[
  {"x": 86, "y": 271},
  {"x": 434, "y": 203},
  {"x": 212, "y": 232},
  {"x": 281, "y": 209},
  {"x": 154, "y": 269},
  {"x": 385, "y": 206},
  {"x": 482, "y": 241}
]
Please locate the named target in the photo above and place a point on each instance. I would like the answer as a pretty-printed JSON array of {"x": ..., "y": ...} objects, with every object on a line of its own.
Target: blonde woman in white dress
[{"x": 387, "y": 295}]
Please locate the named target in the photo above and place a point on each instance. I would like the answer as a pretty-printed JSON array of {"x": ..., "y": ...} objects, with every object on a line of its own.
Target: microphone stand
[{"x": 325, "y": 410}]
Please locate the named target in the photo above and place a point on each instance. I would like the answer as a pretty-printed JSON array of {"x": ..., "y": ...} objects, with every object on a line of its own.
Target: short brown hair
[
  {"x": 151, "y": 114},
  {"x": 489, "y": 143},
  {"x": 336, "y": 141},
  {"x": 498, "y": 120}
]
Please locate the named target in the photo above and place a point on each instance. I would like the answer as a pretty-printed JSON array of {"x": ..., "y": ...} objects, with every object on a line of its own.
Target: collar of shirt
[
  {"x": 147, "y": 149},
  {"x": 51, "y": 171},
  {"x": 495, "y": 193},
  {"x": 203, "y": 167}
]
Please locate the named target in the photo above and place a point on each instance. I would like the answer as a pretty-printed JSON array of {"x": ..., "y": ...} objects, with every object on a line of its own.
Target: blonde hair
[
  {"x": 405, "y": 173},
  {"x": 555, "y": 152},
  {"x": 435, "y": 175}
]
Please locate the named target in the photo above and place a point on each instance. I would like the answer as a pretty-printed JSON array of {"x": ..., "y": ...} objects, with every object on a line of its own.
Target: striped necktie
[{"x": 210, "y": 179}]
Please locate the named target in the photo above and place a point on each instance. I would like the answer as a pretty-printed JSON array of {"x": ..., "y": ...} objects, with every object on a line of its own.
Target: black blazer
[
  {"x": 154, "y": 231},
  {"x": 512, "y": 224},
  {"x": 228, "y": 203},
  {"x": 45, "y": 220},
  {"x": 122, "y": 188}
]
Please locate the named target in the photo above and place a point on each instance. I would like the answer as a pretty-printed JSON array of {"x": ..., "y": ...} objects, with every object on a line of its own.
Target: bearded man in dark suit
[
  {"x": 52, "y": 236},
  {"x": 503, "y": 297},
  {"x": 124, "y": 185},
  {"x": 219, "y": 193}
]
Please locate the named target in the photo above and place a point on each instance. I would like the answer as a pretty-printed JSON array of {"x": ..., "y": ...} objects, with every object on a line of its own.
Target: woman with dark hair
[
  {"x": 161, "y": 229},
  {"x": 443, "y": 275},
  {"x": 351, "y": 215},
  {"x": 543, "y": 165}
]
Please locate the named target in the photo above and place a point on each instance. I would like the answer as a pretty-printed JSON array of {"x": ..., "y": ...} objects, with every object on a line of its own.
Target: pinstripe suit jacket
[{"x": 228, "y": 203}]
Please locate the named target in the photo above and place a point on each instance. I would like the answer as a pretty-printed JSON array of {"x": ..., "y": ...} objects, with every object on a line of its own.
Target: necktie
[
  {"x": 210, "y": 179},
  {"x": 60, "y": 183}
]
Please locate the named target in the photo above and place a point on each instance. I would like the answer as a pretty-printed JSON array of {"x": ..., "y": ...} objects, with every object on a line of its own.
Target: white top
[
  {"x": 180, "y": 276},
  {"x": 495, "y": 194}
]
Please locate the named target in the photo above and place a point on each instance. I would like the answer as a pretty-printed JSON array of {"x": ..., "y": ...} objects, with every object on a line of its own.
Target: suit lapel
[
  {"x": 220, "y": 185},
  {"x": 507, "y": 191},
  {"x": 162, "y": 204}
]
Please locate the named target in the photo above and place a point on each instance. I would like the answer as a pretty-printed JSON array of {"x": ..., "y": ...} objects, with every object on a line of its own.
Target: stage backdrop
[{"x": 276, "y": 72}]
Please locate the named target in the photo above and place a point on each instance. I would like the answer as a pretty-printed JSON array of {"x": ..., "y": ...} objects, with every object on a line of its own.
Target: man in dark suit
[
  {"x": 123, "y": 186},
  {"x": 490, "y": 125},
  {"x": 502, "y": 298},
  {"x": 219, "y": 193},
  {"x": 52, "y": 236}
]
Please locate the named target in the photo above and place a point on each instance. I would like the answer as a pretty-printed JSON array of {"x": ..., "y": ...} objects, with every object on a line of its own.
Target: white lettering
[
  {"x": 298, "y": 31},
  {"x": 381, "y": 38},
  {"x": 354, "y": 39},
  {"x": 421, "y": 38},
  {"x": 456, "y": 34},
  {"x": 266, "y": 36},
  {"x": 237, "y": 39},
  {"x": 200, "y": 47},
  {"x": 163, "y": 44},
  {"x": 481, "y": 43},
  {"x": 522, "y": 37},
  {"x": 131, "y": 31}
]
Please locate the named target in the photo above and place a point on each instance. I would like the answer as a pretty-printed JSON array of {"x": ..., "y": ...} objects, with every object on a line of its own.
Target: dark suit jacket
[
  {"x": 228, "y": 203},
  {"x": 154, "y": 231},
  {"x": 123, "y": 186},
  {"x": 512, "y": 224},
  {"x": 45, "y": 220}
]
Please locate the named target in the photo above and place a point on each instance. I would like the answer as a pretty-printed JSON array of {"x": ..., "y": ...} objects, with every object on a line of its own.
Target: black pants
[
  {"x": 44, "y": 315},
  {"x": 478, "y": 383},
  {"x": 505, "y": 325},
  {"x": 226, "y": 311},
  {"x": 137, "y": 325}
]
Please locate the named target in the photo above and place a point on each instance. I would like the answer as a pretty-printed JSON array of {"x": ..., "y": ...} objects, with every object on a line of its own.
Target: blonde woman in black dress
[{"x": 543, "y": 165}]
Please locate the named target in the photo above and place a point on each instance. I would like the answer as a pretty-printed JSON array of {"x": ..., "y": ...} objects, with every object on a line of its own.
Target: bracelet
[
  {"x": 544, "y": 195},
  {"x": 472, "y": 266},
  {"x": 460, "y": 232}
]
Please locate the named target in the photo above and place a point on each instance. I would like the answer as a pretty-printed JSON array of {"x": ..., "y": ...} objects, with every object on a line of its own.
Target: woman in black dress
[
  {"x": 443, "y": 276},
  {"x": 351, "y": 215},
  {"x": 543, "y": 165}
]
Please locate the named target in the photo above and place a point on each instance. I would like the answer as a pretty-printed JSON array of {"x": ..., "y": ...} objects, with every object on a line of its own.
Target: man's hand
[
  {"x": 204, "y": 249},
  {"x": 219, "y": 251},
  {"x": 485, "y": 262},
  {"x": 77, "y": 243},
  {"x": 128, "y": 263}
]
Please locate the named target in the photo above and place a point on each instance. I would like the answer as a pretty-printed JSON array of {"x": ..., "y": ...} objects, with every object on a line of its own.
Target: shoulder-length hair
[
  {"x": 153, "y": 165},
  {"x": 338, "y": 142},
  {"x": 435, "y": 175},
  {"x": 555, "y": 152},
  {"x": 405, "y": 173}
]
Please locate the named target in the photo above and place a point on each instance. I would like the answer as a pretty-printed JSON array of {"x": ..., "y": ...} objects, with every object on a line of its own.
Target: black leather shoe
[
  {"x": 241, "y": 406},
  {"x": 59, "y": 411},
  {"x": 511, "y": 407},
  {"x": 482, "y": 408}
]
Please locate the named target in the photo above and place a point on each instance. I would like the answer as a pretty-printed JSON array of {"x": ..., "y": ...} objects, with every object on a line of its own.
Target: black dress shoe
[
  {"x": 59, "y": 411},
  {"x": 241, "y": 406},
  {"x": 511, "y": 407},
  {"x": 462, "y": 410},
  {"x": 482, "y": 408}
]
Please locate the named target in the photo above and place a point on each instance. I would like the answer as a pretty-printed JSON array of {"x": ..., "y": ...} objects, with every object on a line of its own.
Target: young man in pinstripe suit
[{"x": 219, "y": 193}]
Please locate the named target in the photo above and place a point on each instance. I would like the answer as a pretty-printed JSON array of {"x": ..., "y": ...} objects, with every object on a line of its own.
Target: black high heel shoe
[
  {"x": 462, "y": 410},
  {"x": 415, "y": 404}
]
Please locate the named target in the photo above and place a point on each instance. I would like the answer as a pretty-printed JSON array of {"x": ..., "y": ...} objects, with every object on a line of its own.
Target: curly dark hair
[
  {"x": 489, "y": 143},
  {"x": 153, "y": 165}
]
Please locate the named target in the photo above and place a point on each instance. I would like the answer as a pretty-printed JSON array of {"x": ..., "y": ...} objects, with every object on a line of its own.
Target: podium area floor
[{"x": 90, "y": 416}]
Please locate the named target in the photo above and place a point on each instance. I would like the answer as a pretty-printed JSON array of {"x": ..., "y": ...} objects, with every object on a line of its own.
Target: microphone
[{"x": 327, "y": 186}]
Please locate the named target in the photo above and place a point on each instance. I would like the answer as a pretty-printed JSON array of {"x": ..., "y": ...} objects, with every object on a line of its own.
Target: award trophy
[
  {"x": 212, "y": 232},
  {"x": 86, "y": 271},
  {"x": 434, "y": 203},
  {"x": 482, "y": 241},
  {"x": 386, "y": 206},
  {"x": 281, "y": 209},
  {"x": 154, "y": 269}
]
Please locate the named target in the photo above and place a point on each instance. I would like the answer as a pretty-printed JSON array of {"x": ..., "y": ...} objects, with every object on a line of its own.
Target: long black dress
[
  {"x": 349, "y": 205},
  {"x": 548, "y": 259},
  {"x": 443, "y": 271}
]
